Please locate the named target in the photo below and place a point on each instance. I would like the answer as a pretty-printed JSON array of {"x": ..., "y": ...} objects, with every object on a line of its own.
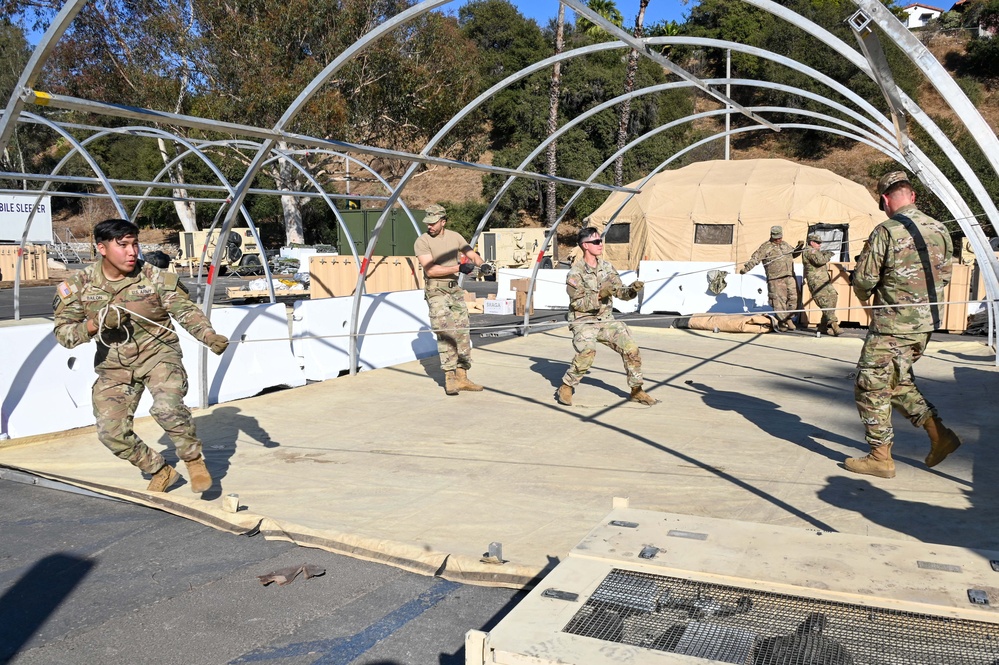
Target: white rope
[
  {"x": 548, "y": 324},
  {"x": 102, "y": 317}
]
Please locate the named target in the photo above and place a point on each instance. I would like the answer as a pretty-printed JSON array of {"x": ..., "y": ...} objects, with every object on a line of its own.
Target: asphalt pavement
[
  {"x": 96, "y": 581},
  {"x": 89, "y": 580}
]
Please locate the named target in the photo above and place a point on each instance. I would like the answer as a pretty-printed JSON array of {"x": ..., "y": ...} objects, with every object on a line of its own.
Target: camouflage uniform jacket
[
  {"x": 815, "y": 263},
  {"x": 906, "y": 261},
  {"x": 148, "y": 291},
  {"x": 583, "y": 284},
  {"x": 777, "y": 259}
]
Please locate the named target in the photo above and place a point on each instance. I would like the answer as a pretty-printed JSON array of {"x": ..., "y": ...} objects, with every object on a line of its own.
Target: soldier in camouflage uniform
[
  {"x": 444, "y": 256},
  {"x": 905, "y": 265},
  {"x": 125, "y": 304},
  {"x": 592, "y": 285},
  {"x": 816, "y": 265},
  {"x": 782, "y": 288}
]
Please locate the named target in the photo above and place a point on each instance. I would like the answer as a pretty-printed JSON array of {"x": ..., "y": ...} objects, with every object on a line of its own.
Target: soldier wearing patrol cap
[
  {"x": 905, "y": 265},
  {"x": 816, "y": 267},
  {"x": 777, "y": 258},
  {"x": 125, "y": 305},
  {"x": 444, "y": 256}
]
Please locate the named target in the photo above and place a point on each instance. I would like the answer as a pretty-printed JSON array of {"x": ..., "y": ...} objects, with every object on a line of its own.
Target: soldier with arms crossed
[{"x": 126, "y": 304}]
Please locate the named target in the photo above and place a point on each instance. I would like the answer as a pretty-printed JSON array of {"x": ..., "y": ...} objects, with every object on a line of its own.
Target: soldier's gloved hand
[
  {"x": 800, "y": 245},
  {"x": 217, "y": 343},
  {"x": 637, "y": 285},
  {"x": 486, "y": 269},
  {"x": 742, "y": 271},
  {"x": 115, "y": 317},
  {"x": 466, "y": 268},
  {"x": 606, "y": 291}
]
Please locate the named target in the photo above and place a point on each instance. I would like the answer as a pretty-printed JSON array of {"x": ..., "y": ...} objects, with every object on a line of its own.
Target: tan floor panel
[{"x": 385, "y": 466}]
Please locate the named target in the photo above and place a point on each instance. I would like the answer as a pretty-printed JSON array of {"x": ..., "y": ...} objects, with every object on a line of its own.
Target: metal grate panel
[{"x": 735, "y": 625}]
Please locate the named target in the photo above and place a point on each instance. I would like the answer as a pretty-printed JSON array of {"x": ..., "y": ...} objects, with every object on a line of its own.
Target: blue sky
[{"x": 658, "y": 10}]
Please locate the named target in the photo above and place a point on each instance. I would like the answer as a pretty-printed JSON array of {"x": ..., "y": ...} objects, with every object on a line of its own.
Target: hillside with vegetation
[{"x": 246, "y": 63}]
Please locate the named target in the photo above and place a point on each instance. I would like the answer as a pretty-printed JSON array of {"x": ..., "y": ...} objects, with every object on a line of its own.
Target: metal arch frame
[
  {"x": 953, "y": 96},
  {"x": 88, "y": 158},
  {"x": 885, "y": 147},
  {"x": 69, "y": 11},
  {"x": 33, "y": 67},
  {"x": 668, "y": 86},
  {"x": 325, "y": 195},
  {"x": 79, "y": 147}
]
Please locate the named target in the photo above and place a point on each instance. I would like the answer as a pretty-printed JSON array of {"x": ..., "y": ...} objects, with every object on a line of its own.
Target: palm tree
[
  {"x": 629, "y": 86},
  {"x": 605, "y": 8}
]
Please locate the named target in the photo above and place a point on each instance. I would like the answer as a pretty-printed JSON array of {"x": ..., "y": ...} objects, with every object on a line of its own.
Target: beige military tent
[{"x": 723, "y": 210}]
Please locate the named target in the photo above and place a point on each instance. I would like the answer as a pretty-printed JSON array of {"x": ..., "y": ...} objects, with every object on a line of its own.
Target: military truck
[
  {"x": 513, "y": 248},
  {"x": 241, "y": 253}
]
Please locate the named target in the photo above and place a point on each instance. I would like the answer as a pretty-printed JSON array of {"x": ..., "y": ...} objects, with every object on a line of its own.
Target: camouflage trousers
[
  {"x": 783, "y": 294},
  {"x": 116, "y": 395},
  {"x": 614, "y": 334},
  {"x": 885, "y": 379},
  {"x": 449, "y": 320},
  {"x": 827, "y": 298}
]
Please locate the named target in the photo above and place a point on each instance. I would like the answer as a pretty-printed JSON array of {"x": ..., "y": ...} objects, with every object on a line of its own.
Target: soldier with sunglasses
[{"x": 592, "y": 285}]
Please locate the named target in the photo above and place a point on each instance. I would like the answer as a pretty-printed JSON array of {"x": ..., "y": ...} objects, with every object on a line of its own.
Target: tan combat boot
[
  {"x": 464, "y": 383},
  {"x": 834, "y": 329},
  {"x": 790, "y": 324},
  {"x": 163, "y": 479},
  {"x": 451, "y": 382},
  {"x": 564, "y": 395},
  {"x": 879, "y": 463},
  {"x": 943, "y": 441},
  {"x": 640, "y": 396},
  {"x": 200, "y": 480}
]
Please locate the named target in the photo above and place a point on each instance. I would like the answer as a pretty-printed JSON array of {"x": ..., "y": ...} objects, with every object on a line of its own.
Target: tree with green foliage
[
  {"x": 246, "y": 62},
  {"x": 608, "y": 10},
  {"x": 629, "y": 86},
  {"x": 746, "y": 24},
  {"x": 983, "y": 50},
  {"x": 25, "y": 144}
]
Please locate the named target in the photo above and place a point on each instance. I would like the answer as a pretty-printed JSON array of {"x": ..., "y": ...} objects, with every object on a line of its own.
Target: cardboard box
[
  {"x": 520, "y": 304},
  {"x": 520, "y": 285},
  {"x": 475, "y": 307},
  {"x": 498, "y": 306}
]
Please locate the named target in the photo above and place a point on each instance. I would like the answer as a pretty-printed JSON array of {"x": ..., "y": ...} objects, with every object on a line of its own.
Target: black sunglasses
[{"x": 598, "y": 241}]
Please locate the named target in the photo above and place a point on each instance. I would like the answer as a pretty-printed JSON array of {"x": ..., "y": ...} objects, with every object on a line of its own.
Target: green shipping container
[{"x": 396, "y": 239}]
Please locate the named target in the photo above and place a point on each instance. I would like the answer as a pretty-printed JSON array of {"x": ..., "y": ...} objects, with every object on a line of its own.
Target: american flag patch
[{"x": 63, "y": 289}]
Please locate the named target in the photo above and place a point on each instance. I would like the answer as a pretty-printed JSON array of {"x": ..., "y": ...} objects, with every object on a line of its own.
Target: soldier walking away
[
  {"x": 777, "y": 258},
  {"x": 592, "y": 284},
  {"x": 125, "y": 304},
  {"x": 905, "y": 265},
  {"x": 444, "y": 256},
  {"x": 816, "y": 264}
]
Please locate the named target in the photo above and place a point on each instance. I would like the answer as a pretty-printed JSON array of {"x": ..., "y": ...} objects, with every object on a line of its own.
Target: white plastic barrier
[
  {"x": 260, "y": 355},
  {"x": 394, "y": 328},
  {"x": 46, "y": 387},
  {"x": 549, "y": 289},
  {"x": 682, "y": 287}
]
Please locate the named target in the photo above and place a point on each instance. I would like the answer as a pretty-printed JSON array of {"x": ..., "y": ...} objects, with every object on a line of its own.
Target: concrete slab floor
[{"x": 385, "y": 466}]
